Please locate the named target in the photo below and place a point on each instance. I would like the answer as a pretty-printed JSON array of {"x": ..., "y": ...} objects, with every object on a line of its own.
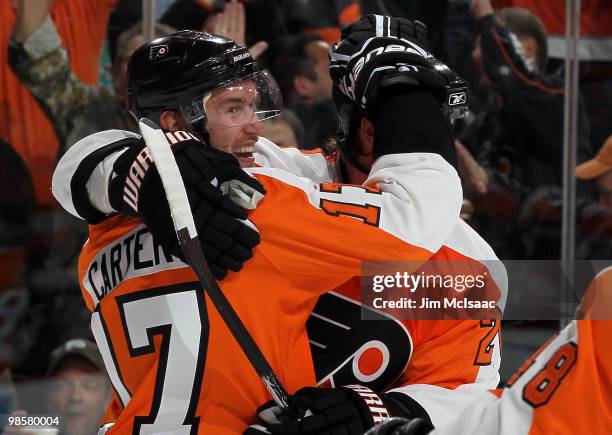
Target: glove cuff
[
  {"x": 128, "y": 174},
  {"x": 371, "y": 407}
]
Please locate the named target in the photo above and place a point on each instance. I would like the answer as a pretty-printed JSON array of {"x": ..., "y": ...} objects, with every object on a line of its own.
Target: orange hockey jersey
[
  {"x": 565, "y": 388},
  {"x": 440, "y": 364},
  {"x": 173, "y": 362}
]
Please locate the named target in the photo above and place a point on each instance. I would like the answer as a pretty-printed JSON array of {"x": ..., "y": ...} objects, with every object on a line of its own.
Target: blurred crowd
[{"x": 64, "y": 77}]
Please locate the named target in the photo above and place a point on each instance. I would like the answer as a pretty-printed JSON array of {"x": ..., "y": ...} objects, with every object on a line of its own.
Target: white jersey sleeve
[
  {"x": 449, "y": 371},
  {"x": 65, "y": 174},
  {"x": 401, "y": 198},
  {"x": 313, "y": 165}
]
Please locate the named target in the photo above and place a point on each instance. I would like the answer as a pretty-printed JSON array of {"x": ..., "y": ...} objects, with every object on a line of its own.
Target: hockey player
[
  {"x": 564, "y": 388},
  {"x": 430, "y": 344}
]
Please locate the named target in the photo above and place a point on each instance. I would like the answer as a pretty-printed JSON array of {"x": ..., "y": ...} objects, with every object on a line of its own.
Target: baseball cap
[
  {"x": 75, "y": 347},
  {"x": 600, "y": 164}
]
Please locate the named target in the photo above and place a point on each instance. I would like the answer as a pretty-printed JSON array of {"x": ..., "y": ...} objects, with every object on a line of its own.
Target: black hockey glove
[
  {"x": 402, "y": 426},
  {"x": 136, "y": 190},
  {"x": 379, "y": 55},
  {"x": 349, "y": 410}
]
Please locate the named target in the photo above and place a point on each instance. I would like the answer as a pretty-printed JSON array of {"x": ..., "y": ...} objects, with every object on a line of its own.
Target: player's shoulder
[
  {"x": 275, "y": 177},
  {"x": 266, "y": 146},
  {"x": 313, "y": 164},
  {"x": 465, "y": 240},
  {"x": 100, "y": 139},
  {"x": 112, "y": 228}
]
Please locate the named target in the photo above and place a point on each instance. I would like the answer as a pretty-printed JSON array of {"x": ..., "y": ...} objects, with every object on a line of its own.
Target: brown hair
[{"x": 523, "y": 23}]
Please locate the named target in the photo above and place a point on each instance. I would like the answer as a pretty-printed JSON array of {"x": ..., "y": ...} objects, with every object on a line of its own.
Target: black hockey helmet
[{"x": 179, "y": 71}]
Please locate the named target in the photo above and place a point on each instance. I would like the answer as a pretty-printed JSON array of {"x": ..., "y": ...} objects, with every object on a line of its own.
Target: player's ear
[
  {"x": 366, "y": 135},
  {"x": 171, "y": 121}
]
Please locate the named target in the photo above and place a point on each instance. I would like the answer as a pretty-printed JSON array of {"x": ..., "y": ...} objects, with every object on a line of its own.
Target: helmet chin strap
[
  {"x": 202, "y": 133},
  {"x": 198, "y": 128}
]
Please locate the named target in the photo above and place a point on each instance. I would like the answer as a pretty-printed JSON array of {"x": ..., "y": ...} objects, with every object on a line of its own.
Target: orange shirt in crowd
[
  {"x": 82, "y": 28},
  {"x": 595, "y": 15}
]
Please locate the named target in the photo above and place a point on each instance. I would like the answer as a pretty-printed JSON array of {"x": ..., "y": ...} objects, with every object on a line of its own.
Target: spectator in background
[
  {"x": 231, "y": 22},
  {"x": 256, "y": 20},
  {"x": 594, "y": 50},
  {"x": 595, "y": 219},
  {"x": 320, "y": 17},
  {"x": 300, "y": 66},
  {"x": 75, "y": 109},
  {"x": 82, "y": 27},
  {"x": 518, "y": 137},
  {"x": 17, "y": 203},
  {"x": 285, "y": 130},
  {"x": 80, "y": 390},
  {"x": 526, "y": 103},
  {"x": 434, "y": 13}
]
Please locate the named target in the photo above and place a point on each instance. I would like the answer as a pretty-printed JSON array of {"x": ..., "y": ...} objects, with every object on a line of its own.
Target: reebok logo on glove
[{"x": 136, "y": 174}]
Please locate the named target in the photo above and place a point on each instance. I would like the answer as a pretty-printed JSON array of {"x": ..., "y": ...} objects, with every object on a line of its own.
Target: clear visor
[{"x": 247, "y": 101}]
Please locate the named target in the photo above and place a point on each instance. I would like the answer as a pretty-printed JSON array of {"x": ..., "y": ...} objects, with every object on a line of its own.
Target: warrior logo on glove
[
  {"x": 136, "y": 174},
  {"x": 141, "y": 165}
]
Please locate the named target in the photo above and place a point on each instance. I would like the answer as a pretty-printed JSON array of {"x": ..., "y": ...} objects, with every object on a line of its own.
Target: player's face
[
  {"x": 232, "y": 121},
  {"x": 79, "y": 394}
]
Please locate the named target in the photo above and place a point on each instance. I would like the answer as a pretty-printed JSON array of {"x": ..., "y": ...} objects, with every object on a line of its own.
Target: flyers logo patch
[
  {"x": 347, "y": 350},
  {"x": 158, "y": 51},
  {"x": 457, "y": 98}
]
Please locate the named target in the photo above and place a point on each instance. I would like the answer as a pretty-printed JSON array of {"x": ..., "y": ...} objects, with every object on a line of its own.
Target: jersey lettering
[
  {"x": 368, "y": 213},
  {"x": 133, "y": 254},
  {"x": 541, "y": 388},
  {"x": 484, "y": 354},
  {"x": 181, "y": 353}
]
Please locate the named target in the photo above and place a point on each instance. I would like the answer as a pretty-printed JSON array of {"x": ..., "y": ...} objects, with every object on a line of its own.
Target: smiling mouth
[{"x": 244, "y": 152}]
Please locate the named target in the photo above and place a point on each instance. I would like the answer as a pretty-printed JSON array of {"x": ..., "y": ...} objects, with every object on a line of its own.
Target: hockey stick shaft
[{"x": 192, "y": 250}]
